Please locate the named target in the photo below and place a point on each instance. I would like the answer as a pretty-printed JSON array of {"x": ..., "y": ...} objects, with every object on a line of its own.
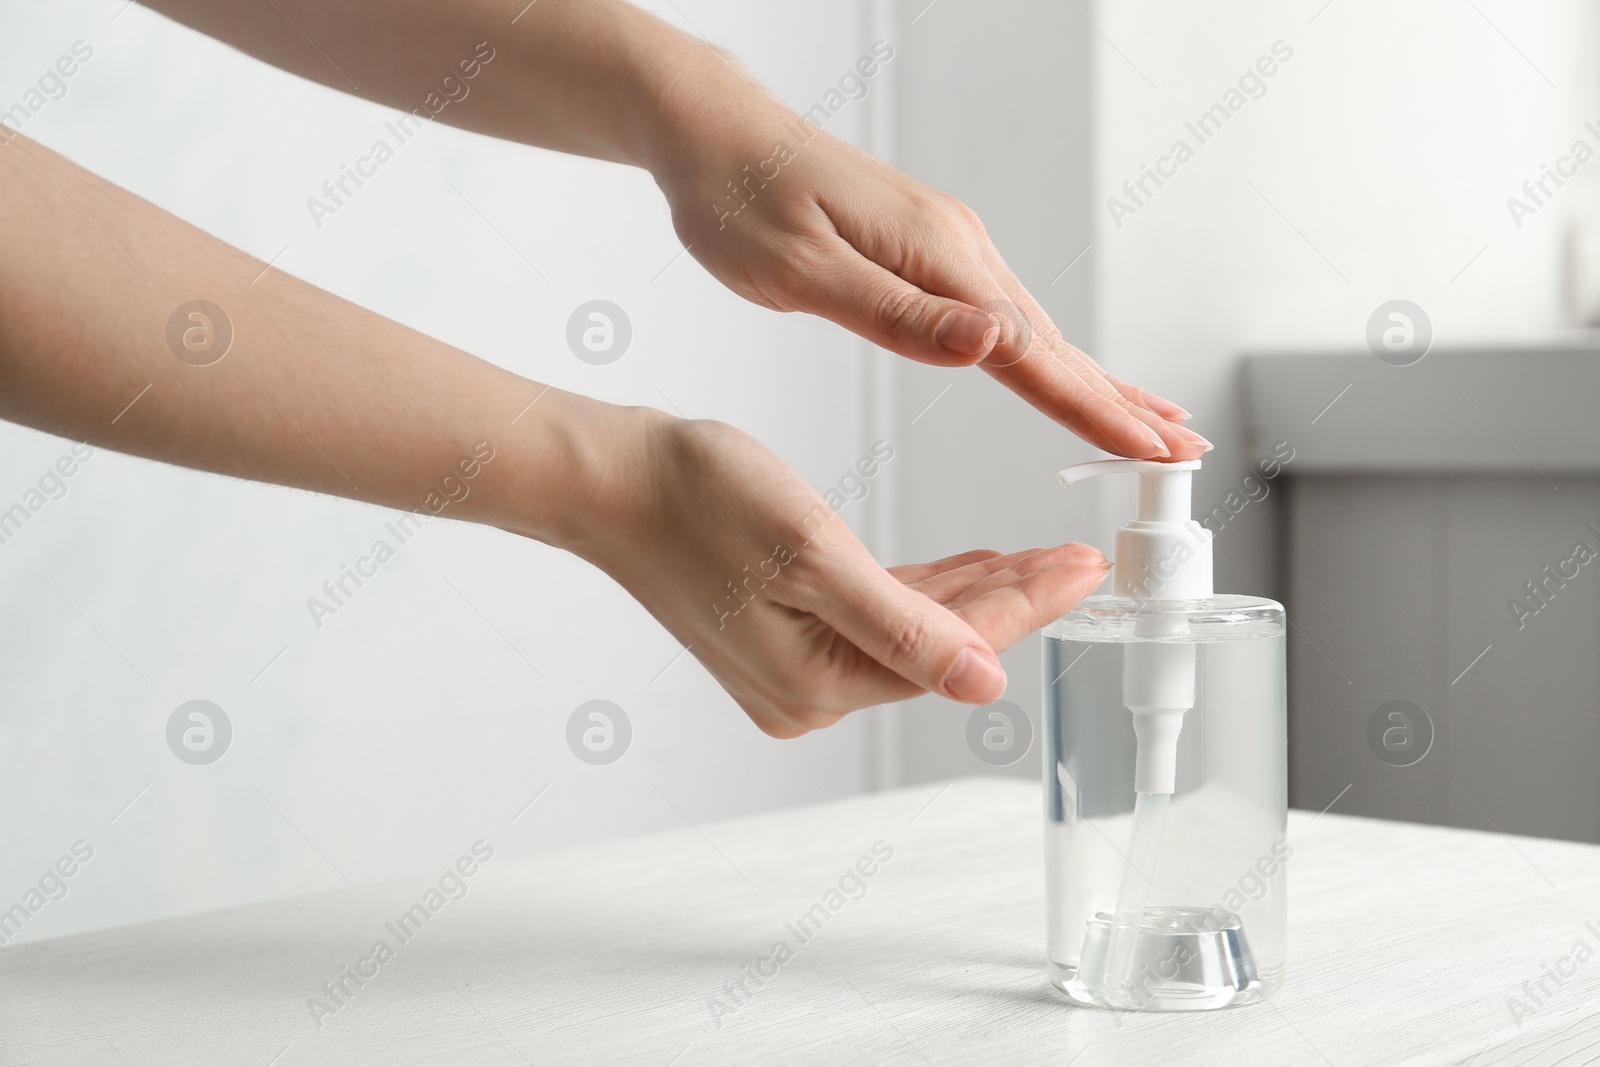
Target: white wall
[
  {"x": 993, "y": 106},
  {"x": 405, "y": 727},
  {"x": 1390, "y": 141}
]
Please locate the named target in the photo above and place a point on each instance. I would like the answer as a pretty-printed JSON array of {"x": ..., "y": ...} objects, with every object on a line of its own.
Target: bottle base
[
  {"x": 1064, "y": 979},
  {"x": 1181, "y": 959}
]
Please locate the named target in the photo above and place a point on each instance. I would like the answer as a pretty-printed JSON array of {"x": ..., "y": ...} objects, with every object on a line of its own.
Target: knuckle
[
  {"x": 804, "y": 258},
  {"x": 910, "y": 638},
  {"x": 946, "y": 213},
  {"x": 925, "y": 202},
  {"x": 897, "y": 310},
  {"x": 964, "y": 215}
]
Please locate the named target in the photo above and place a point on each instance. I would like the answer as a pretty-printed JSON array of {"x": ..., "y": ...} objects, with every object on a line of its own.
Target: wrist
[
  {"x": 577, "y": 472},
  {"x": 706, "y": 111}
]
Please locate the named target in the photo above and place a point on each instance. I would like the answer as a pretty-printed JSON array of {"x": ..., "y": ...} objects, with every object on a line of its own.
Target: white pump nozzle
[
  {"x": 1076, "y": 473},
  {"x": 1163, "y": 554}
]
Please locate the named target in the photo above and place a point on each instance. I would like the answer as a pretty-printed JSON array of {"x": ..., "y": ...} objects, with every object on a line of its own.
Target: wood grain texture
[{"x": 1406, "y": 944}]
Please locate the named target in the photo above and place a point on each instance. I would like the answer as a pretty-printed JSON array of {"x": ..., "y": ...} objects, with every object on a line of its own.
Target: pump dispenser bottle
[{"x": 1165, "y": 772}]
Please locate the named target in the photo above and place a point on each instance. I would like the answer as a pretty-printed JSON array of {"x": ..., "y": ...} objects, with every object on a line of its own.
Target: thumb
[
  {"x": 912, "y": 635},
  {"x": 894, "y": 314}
]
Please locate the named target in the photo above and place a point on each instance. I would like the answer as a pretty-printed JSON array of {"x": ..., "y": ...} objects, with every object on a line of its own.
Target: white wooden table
[{"x": 1407, "y": 944}]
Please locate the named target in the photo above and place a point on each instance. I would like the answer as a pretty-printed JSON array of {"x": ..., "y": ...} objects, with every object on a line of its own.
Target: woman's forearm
[
  {"x": 104, "y": 338},
  {"x": 778, "y": 209},
  {"x": 100, "y": 342},
  {"x": 595, "y": 77}
]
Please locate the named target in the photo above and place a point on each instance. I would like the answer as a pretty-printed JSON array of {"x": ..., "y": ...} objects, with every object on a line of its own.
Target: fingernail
[
  {"x": 1182, "y": 414},
  {"x": 967, "y": 333},
  {"x": 1195, "y": 438},
  {"x": 976, "y": 677},
  {"x": 1155, "y": 441},
  {"x": 1105, "y": 564}
]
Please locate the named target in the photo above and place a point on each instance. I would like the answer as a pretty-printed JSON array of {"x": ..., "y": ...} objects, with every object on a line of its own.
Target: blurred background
[{"x": 1339, "y": 156}]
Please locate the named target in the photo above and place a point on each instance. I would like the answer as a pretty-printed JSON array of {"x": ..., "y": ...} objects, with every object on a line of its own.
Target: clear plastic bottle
[
  {"x": 1216, "y": 885},
  {"x": 1165, "y": 762}
]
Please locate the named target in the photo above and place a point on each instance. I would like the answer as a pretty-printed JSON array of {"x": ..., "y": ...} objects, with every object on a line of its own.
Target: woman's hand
[
  {"x": 744, "y": 563},
  {"x": 738, "y": 557},
  {"x": 781, "y": 212},
  {"x": 819, "y": 226}
]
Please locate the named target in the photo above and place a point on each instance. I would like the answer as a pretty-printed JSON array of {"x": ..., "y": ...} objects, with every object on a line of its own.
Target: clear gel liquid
[{"x": 1174, "y": 902}]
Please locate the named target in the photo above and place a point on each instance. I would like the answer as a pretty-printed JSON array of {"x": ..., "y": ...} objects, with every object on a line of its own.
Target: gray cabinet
[{"x": 1438, "y": 544}]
